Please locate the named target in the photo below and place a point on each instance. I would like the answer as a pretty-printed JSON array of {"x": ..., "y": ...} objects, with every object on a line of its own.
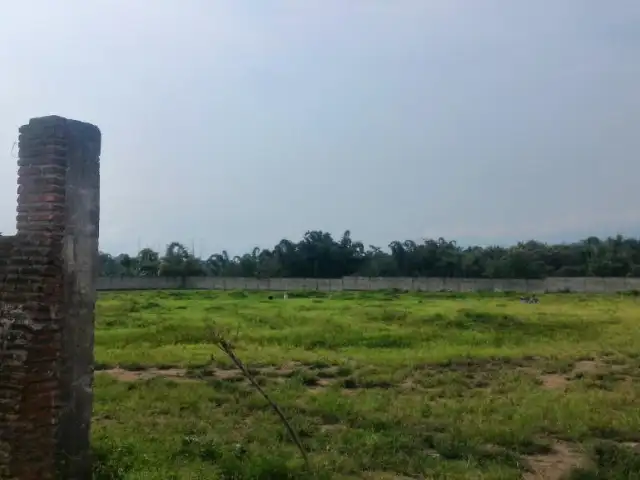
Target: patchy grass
[{"x": 377, "y": 385}]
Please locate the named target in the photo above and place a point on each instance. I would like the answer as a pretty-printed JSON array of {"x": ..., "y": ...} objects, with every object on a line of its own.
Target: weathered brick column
[{"x": 48, "y": 295}]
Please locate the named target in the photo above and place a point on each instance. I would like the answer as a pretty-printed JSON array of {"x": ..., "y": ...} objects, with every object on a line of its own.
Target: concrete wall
[
  {"x": 47, "y": 296},
  {"x": 559, "y": 284}
]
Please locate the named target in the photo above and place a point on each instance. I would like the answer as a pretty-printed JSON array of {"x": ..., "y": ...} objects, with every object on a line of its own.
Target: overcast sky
[{"x": 236, "y": 123}]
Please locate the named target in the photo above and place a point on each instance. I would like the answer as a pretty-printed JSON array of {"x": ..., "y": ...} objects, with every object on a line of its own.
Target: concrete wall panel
[{"x": 552, "y": 284}]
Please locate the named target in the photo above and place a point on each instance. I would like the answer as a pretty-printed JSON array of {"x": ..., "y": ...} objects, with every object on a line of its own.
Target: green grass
[{"x": 377, "y": 385}]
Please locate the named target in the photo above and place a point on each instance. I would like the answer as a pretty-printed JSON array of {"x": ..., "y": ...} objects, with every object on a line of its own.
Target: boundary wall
[{"x": 419, "y": 284}]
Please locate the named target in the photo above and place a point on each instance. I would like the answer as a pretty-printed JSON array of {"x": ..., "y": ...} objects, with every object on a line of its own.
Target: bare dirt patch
[
  {"x": 232, "y": 374},
  {"x": 334, "y": 427},
  {"x": 316, "y": 378},
  {"x": 477, "y": 365},
  {"x": 320, "y": 385},
  {"x": 580, "y": 369},
  {"x": 557, "y": 381},
  {"x": 385, "y": 476},
  {"x": 635, "y": 446},
  {"x": 287, "y": 370},
  {"x": 555, "y": 465},
  {"x": 409, "y": 384},
  {"x": 177, "y": 374},
  {"x": 553, "y": 381},
  {"x": 270, "y": 371},
  {"x": 600, "y": 366},
  {"x": 586, "y": 366}
]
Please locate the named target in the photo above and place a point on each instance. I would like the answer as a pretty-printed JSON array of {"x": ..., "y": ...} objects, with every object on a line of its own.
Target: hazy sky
[{"x": 237, "y": 123}]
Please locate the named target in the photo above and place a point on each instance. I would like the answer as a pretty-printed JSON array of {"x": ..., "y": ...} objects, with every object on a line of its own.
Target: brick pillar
[
  {"x": 80, "y": 272},
  {"x": 49, "y": 287}
]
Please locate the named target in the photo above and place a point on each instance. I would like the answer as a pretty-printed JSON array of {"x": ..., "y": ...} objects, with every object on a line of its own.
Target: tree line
[{"x": 319, "y": 255}]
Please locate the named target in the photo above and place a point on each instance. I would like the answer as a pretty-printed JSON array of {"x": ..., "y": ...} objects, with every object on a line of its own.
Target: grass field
[{"x": 377, "y": 385}]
